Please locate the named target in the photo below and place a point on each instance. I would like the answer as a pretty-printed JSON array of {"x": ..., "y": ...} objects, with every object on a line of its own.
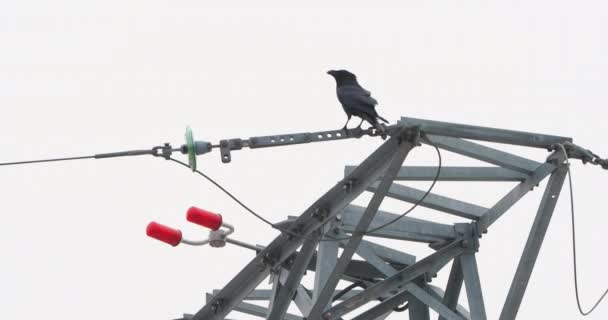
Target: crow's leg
[
  {"x": 372, "y": 120},
  {"x": 360, "y": 123},
  {"x": 347, "y": 120}
]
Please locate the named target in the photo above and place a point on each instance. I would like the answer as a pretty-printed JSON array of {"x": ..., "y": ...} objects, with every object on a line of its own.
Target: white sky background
[{"x": 84, "y": 77}]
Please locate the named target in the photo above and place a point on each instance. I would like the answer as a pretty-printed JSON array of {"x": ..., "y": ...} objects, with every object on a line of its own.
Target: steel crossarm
[
  {"x": 396, "y": 281},
  {"x": 362, "y": 226},
  {"x": 429, "y": 173},
  {"x": 434, "y": 201},
  {"x": 484, "y": 153},
  {"x": 405, "y": 228},
  {"x": 323, "y": 210},
  {"x": 521, "y": 138},
  {"x": 506, "y": 202}
]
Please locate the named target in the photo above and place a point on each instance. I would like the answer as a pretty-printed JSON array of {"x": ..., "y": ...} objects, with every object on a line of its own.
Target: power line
[
  {"x": 45, "y": 160},
  {"x": 574, "y": 258}
]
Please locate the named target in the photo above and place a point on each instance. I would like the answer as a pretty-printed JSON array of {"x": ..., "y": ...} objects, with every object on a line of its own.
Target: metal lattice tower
[{"x": 386, "y": 274}]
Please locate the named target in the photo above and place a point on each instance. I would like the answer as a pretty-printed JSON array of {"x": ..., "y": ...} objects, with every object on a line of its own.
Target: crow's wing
[{"x": 355, "y": 95}]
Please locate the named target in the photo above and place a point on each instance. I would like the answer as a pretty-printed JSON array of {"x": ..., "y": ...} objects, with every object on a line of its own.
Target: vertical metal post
[
  {"x": 452, "y": 290},
  {"x": 473, "y": 286},
  {"x": 276, "y": 287},
  {"x": 362, "y": 227},
  {"x": 327, "y": 257},
  {"x": 533, "y": 244},
  {"x": 418, "y": 310}
]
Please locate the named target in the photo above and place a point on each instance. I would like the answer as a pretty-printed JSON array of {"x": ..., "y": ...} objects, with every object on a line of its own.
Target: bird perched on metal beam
[{"x": 355, "y": 100}]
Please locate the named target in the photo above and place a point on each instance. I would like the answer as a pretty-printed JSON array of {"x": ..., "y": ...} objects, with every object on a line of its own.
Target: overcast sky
[{"x": 84, "y": 77}]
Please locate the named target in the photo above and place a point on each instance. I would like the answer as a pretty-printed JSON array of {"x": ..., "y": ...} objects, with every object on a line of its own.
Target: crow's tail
[{"x": 379, "y": 117}]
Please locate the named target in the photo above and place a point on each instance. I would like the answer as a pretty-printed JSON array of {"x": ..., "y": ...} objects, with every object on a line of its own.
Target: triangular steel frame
[{"x": 385, "y": 274}]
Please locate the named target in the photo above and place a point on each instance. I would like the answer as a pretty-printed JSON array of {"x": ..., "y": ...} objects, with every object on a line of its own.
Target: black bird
[{"x": 355, "y": 100}]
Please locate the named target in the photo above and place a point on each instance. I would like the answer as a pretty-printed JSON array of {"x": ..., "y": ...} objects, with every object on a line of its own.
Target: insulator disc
[{"x": 191, "y": 149}]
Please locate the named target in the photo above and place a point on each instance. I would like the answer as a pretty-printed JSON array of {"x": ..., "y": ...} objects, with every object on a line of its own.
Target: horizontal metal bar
[
  {"x": 521, "y": 138},
  {"x": 428, "y": 173},
  {"x": 264, "y": 294},
  {"x": 306, "y": 137},
  {"x": 434, "y": 201},
  {"x": 255, "y": 295},
  {"x": 406, "y": 228},
  {"x": 356, "y": 269}
]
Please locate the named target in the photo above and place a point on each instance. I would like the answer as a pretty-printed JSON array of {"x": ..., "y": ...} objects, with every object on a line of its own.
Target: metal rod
[{"x": 244, "y": 244}]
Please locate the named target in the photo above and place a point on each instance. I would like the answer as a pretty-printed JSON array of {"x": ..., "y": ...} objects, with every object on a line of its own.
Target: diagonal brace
[
  {"x": 533, "y": 244},
  {"x": 366, "y": 219}
]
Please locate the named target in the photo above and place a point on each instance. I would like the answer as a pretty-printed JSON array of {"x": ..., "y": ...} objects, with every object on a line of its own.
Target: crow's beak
[{"x": 331, "y": 72}]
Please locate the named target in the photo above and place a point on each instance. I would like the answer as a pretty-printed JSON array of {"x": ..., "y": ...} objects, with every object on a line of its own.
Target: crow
[{"x": 355, "y": 100}]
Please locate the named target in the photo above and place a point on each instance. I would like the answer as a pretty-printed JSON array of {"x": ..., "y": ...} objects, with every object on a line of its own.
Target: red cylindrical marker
[
  {"x": 164, "y": 233},
  {"x": 204, "y": 218}
]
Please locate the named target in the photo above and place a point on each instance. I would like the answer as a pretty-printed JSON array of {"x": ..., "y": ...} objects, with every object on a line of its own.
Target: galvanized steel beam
[
  {"x": 473, "y": 286},
  {"x": 327, "y": 257},
  {"x": 506, "y": 202},
  {"x": 429, "y": 173},
  {"x": 405, "y": 228},
  {"x": 296, "y": 272},
  {"x": 432, "y": 302},
  {"x": 434, "y": 201},
  {"x": 453, "y": 287},
  {"x": 521, "y": 138},
  {"x": 533, "y": 244},
  {"x": 254, "y": 310},
  {"x": 484, "y": 153}
]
